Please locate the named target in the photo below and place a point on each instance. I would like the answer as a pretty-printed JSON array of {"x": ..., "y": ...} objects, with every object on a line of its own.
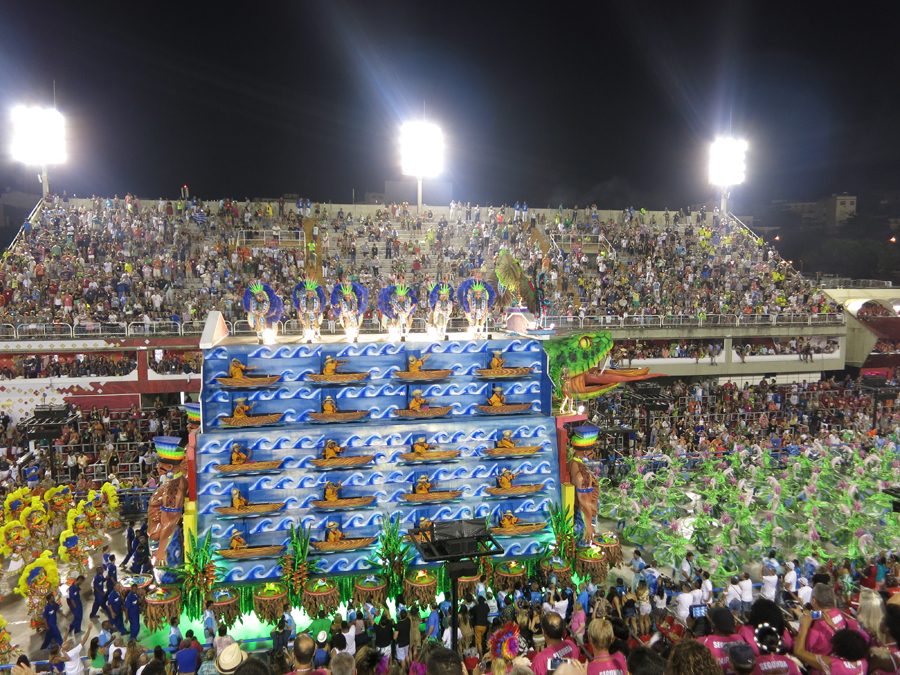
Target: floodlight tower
[
  {"x": 727, "y": 166},
  {"x": 38, "y": 139},
  {"x": 421, "y": 152}
]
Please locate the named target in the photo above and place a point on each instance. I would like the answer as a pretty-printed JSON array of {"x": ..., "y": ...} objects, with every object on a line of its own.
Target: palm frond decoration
[
  {"x": 198, "y": 573},
  {"x": 296, "y": 567},
  {"x": 392, "y": 555},
  {"x": 515, "y": 286},
  {"x": 563, "y": 526}
]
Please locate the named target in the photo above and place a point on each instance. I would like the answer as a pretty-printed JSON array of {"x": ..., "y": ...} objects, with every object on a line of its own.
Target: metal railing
[
  {"x": 678, "y": 320},
  {"x": 29, "y": 331},
  {"x": 272, "y": 238}
]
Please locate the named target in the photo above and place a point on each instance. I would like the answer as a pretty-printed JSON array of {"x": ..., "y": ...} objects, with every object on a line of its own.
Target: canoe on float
[
  {"x": 423, "y": 375},
  {"x": 251, "y": 382},
  {"x": 518, "y": 451},
  {"x": 502, "y": 372},
  {"x": 430, "y": 456},
  {"x": 251, "y": 552},
  {"x": 341, "y": 504},
  {"x": 343, "y": 462},
  {"x": 336, "y": 378},
  {"x": 515, "y": 490},
  {"x": 348, "y": 544},
  {"x": 504, "y": 409},
  {"x": 348, "y": 416},
  {"x": 250, "y": 509},
  {"x": 425, "y": 413},
  {"x": 518, "y": 529},
  {"x": 251, "y": 420},
  {"x": 435, "y": 496},
  {"x": 249, "y": 467}
]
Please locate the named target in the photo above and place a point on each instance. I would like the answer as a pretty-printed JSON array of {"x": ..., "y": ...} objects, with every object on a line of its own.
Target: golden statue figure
[
  {"x": 415, "y": 364},
  {"x": 241, "y": 409},
  {"x": 334, "y": 532},
  {"x": 505, "y": 479},
  {"x": 237, "y": 541},
  {"x": 423, "y": 486},
  {"x": 497, "y": 399},
  {"x": 239, "y": 456},
  {"x": 421, "y": 446},
  {"x": 506, "y": 441},
  {"x": 508, "y": 519},
  {"x": 331, "y": 365},
  {"x": 328, "y": 406},
  {"x": 417, "y": 402},
  {"x": 497, "y": 361},
  {"x": 237, "y": 369},
  {"x": 332, "y": 450},
  {"x": 332, "y": 491},
  {"x": 238, "y": 501}
]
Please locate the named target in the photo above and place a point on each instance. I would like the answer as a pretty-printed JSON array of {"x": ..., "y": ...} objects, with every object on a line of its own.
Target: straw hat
[{"x": 230, "y": 658}]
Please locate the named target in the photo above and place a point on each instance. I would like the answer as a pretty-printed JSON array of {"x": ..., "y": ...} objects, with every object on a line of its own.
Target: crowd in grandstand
[
  {"x": 124, "y": 261},
  {"x": 62, "y": 365}
]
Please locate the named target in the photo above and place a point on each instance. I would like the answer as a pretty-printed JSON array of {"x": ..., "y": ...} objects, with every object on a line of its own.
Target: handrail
[{"x": 678, "y": 320}]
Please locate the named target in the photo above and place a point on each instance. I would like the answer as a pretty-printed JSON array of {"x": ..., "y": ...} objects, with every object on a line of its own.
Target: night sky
[{"x": 548, "y": 102}]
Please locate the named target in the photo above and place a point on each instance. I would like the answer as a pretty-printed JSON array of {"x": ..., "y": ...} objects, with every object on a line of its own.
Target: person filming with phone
[{"x": 554, "y": 629}]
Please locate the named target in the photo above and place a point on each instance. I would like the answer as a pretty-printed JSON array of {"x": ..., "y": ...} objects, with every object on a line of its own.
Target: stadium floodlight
[
  {"x": 421, "y": 152},
  {"x": 38, "y": 138},
  {"x": 727, "y": 166}
]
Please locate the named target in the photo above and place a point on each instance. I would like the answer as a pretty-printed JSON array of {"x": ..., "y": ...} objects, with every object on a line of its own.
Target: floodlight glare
[
  {"x": 421, "y": 149},
  {"x": 39, "y": 136},
  {"x": 727, "y": 162}
]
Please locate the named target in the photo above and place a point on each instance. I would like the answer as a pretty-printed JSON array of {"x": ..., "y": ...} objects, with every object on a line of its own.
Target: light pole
[
  {"x": 421, "y": 153},
  {"x": 38, "y": 139},
  {"x": 727, "y": 166}
]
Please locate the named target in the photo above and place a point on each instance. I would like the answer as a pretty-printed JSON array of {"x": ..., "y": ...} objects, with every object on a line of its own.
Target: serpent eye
[{"x": 585, "y": 342}]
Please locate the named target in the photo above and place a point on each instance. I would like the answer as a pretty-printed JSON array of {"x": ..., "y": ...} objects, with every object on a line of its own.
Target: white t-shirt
[
  {"x": 687, "y": 570},
  {"x": 683, "y": 602},
  {"x": 732, "y": 593},
  {"x": 746, "y": 586},
  {"x": 448, "y": 636},
  {"x": 350, "y": 636},
  {"x": 660, "y": 602},
  {"x": 790, "y": 581},
  {"x": 805, "y": 594},
  {"x": 74, "y": 666},
  {"x": 769, "y": 584},
  {"x": 706, "y": 589}
]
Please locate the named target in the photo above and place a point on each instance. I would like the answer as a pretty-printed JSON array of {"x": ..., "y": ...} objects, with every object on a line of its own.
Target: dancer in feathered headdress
[
  {"x": 476, "y": 297},
  {"x": 398, "y": 303},
  {"x": 440, "y": 299},
  {"x": 349, "y": 301},
  {"x": 309, "y": 300},
  {"x": 37, "y": 580},
  {"x": 71, "y": 552},
  {"x": 263, "y": 307}
]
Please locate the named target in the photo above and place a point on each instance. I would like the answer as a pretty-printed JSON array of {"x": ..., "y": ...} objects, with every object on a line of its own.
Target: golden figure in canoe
[
  {"x": 417, "y": 402},
  {"x": 416, "y": 363},
  {"x": 497, "y": 399},
  {"x": 423, "y": 486},
  {"x": 328, "y": 406},
  {"x": 241, "y": 408},
  {"x": 238, "y": 501},
  {"x": 239, "y": 455},
  {"x": 332, "y": 450},
  {"x": 333, "y": 532},
  {"x": 505, "y": 479},
  {"x": 237, "y": 370},
  {"x": 237, "y": 542},
  {"x": 506, "y": 441},
  {"x": 508, "y": 519},
  {"x": 421, "y": 446},
  {"x": 331, "y": 365},
  {"x": 332, "y": 491},
  {"x": 497, "y": 361}
]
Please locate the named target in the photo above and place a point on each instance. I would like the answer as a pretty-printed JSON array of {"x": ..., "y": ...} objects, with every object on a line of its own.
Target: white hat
[
  {"x": 789, "y": 565},
  {"x": 803, "y": 581},
  {"x": 322, "y": 636},
  {"x": 230, "y": 658}
]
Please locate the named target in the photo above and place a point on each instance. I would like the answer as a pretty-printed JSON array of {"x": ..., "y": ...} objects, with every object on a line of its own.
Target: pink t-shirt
[
  {"x": 841, "y": 667},
  {"x": 566, "y": 650},
  {"x": 610, "y": 664},
  {"x": 718, "y": 646},
  {"x": 748, "y": 633},
  {"x": 775, "y": 664},
  {"x": 818, "y": 639}
]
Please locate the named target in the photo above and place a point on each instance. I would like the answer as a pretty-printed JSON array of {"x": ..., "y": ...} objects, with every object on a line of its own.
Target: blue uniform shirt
[
  {"x": 115, "y": 602},
  {"x": 75, "y": 598},
  {"x": 132, "y": 604},
  {"x": 99, "y": 583},
  {"x": 50, "y": 611}
]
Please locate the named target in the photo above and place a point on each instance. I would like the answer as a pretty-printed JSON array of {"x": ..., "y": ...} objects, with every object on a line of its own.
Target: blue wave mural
[{"x": 297, "y": 440}]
